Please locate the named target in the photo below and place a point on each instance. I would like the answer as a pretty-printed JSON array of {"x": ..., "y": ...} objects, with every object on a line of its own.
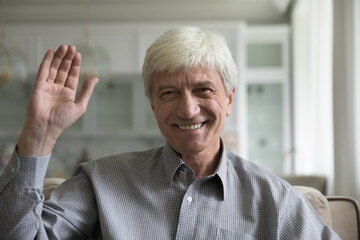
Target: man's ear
[{"x": 230, "y": 102}]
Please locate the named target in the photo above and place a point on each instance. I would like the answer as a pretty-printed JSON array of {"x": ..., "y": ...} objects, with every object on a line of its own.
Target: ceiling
[{"x": 44, "y": 11}]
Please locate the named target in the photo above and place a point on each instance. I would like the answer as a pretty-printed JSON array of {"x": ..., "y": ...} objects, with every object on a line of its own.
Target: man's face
[{"x": 191, "y": 109}]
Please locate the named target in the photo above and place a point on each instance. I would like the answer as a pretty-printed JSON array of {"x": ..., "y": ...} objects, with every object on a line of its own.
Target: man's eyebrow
[
  {"x": 196, "y": 84},
  {"x": 203, "y": 84},
  {"x": 162, "y": 87}
]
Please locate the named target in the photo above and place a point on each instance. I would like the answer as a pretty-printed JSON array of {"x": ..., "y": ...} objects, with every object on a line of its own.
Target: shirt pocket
[{"x": 223, "y": 234}]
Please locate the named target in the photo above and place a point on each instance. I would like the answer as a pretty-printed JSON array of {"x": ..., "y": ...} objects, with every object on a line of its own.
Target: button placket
[{"x": 188, "y": 213}]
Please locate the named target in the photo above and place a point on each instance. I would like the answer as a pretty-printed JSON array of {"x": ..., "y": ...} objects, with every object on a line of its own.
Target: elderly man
[{"x": 191, "y": 188}]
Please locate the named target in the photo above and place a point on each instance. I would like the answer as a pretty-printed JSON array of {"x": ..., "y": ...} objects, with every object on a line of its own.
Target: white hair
[{"x": 185, "y": 48}]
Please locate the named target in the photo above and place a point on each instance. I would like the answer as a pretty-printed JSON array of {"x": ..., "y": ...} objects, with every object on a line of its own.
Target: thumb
[{"x": 85, "y": 93}]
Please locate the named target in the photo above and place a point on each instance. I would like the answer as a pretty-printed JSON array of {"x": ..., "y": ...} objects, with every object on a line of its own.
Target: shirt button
[
  {"x": 189, "y": 199},
  {"x": 12, "y": 169}
]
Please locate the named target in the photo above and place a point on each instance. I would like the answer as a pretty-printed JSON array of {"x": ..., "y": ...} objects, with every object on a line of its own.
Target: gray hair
[{"x": 185, "y": 48}]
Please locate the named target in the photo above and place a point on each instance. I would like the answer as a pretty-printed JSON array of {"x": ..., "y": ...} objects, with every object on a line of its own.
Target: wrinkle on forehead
[{"x": 195, "y": 77}]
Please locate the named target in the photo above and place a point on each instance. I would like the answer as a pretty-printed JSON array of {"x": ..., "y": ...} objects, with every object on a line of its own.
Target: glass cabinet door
[
  {"x": 266, "y": 93},
  {"x": 13, "y": 104},
  {"x": 114, "y": 107},
  {"x": 265, "y": 120},
  {"x": 264, "y": 55}
]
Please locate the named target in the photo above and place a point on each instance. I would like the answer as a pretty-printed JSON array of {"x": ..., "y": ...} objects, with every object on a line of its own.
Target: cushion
[
  {"x": 50, "y": 184},
  {"x": 319, "y": 202}
]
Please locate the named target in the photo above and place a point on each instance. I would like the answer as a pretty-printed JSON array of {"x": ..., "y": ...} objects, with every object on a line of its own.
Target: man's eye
[
  {"x": 168, "y": 95},
  {"x": 204, "y": 91}
]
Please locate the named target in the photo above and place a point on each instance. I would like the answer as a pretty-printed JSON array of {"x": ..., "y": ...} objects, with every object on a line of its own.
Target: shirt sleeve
[
  {"x": 300, "y": 221},
  {"x": 25, "y": 215},
  {"x": 21, "y": 196}
]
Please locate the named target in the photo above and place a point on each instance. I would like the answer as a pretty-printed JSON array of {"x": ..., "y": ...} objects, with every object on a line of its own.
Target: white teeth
[{"x": 190, "y": 127}]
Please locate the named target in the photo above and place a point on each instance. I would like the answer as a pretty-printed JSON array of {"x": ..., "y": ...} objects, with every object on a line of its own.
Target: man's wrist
[{"x": 34, "y": 144}]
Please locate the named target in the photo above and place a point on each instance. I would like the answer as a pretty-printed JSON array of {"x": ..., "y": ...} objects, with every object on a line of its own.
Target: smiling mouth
[{"x": 191, "y": 126}]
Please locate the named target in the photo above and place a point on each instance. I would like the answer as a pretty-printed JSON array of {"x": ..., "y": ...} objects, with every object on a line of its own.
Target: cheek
[
  {"x": 161, "y": 112},
  {"x": 221, "y": 107}
]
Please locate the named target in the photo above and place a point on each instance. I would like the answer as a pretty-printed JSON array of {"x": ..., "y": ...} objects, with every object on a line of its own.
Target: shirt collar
[
  {"x": 222, "y": 169},
  {"x": 171, "y": 162}
]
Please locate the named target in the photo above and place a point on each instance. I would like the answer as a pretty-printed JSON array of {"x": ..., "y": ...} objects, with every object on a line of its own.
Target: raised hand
[{"x": 53, "y": 104}]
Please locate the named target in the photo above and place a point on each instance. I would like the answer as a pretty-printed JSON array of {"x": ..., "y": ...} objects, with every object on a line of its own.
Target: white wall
[
  {"x": 346, "y": 97},
  {"x": 122, "y": 11},
  {"x": 312, "y": 88}
]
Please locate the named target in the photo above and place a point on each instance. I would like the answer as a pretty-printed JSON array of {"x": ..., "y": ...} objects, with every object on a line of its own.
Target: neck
[{"x": 203, "y": 163}]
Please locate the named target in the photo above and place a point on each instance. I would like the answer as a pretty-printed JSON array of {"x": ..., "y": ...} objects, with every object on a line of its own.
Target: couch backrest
[{"x": 345, "y": 217}]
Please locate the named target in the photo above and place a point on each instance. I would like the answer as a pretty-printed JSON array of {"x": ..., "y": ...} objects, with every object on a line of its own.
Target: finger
[
  {"x": 44, "y": 67},
  {"x": 65, "y": 65},
  {"x": 85, "y": 93},
  {"x": 74, "y": 72},
  {"x": 55, "y": 64}
]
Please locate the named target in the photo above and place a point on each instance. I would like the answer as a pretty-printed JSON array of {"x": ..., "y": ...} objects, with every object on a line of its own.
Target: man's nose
[{"x": 188, "y": 106}]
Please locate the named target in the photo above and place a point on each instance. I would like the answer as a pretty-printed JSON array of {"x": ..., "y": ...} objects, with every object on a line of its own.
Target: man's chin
[{"x": 190, "y": 147}]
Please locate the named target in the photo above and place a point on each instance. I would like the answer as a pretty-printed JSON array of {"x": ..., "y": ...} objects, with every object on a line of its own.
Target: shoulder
[
  {"x": 130, "y": 161},
  {"x": 266, "y": 189},
  {"x": 273, "y": 196},
  {"x": 258, "y": 180},
  {"x": 132, "y": 156},
  {"x": 250, "y": 170}
]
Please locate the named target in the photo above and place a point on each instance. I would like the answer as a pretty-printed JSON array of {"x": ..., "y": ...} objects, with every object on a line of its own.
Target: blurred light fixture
[
  {"x": 13, "y": 61},
  {"x": 95, "y": 59}
]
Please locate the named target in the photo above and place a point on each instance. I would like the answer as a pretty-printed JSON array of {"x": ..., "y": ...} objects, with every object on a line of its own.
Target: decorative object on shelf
[
  {"x": 95, "y": 59},
  {"x": 13, "y": 61}
]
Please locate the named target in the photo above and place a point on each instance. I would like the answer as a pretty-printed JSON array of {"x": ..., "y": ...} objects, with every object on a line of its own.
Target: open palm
[{"x": 54, "y": 104}]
